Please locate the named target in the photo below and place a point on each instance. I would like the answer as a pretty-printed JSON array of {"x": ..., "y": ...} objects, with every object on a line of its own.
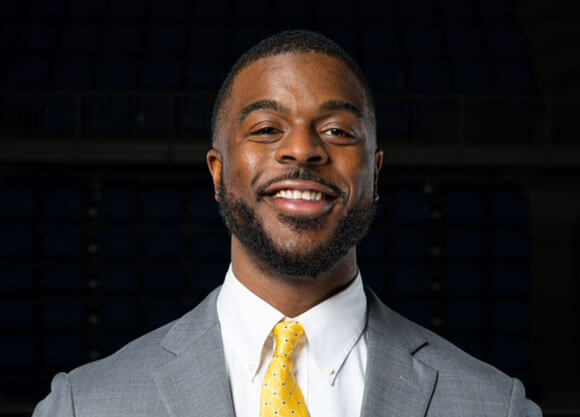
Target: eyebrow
[
  {"x": 262, "y": 105},
  {"x": 341, "y": 105}
]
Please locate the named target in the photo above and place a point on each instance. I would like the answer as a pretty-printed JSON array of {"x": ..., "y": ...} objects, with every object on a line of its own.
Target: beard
[{"x": 304, "y": 266}]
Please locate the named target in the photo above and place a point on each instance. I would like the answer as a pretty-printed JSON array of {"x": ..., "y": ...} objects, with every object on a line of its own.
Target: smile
[
  {"x": 309, "y": 195},
  {"x": 301, "y": 198}
]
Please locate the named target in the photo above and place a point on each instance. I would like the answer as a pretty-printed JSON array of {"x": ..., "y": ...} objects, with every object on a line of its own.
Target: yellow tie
[{"x": 281, "y": 395}]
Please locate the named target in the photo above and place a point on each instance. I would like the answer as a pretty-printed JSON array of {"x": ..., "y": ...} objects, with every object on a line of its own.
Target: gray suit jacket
[{"x": 178, "y": 370}]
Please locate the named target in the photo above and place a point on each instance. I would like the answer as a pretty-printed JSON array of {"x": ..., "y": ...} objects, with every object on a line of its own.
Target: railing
[{"x": 55, "y": 125}]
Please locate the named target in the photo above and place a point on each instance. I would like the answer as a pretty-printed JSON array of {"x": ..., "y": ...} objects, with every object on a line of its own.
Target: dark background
[{"x": 108, "y": 226}]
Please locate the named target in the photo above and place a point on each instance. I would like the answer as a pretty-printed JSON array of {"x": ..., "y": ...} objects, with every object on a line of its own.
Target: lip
[
  {"x": 299, "y": 207},
  {"x": 301, "y": 185}
]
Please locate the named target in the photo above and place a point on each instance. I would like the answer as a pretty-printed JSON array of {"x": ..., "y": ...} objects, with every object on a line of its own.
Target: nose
[{"x": 302, "y": 147}]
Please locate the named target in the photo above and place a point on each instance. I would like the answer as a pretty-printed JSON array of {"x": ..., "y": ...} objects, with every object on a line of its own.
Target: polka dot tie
[{"x": 281, "y": 395}]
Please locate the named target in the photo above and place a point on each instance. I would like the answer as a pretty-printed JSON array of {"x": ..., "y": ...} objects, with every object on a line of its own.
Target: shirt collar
[{"x": 332, "y": 327}]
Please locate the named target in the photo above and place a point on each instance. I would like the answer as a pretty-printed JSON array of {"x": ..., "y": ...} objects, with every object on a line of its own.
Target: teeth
[{"x": 299, "y": 195}]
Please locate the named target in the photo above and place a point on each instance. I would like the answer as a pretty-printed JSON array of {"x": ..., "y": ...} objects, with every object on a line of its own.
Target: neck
[{"x": 291, "y": 295}]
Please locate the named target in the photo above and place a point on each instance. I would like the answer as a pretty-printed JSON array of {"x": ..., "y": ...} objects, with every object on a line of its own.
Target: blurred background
[{"x": 108, "y": 226}]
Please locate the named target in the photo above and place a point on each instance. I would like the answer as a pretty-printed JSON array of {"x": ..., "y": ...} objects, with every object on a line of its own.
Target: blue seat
[
  {"x": 63, "y": 278},
  {"x": 409, "y": 280},
  {"x": 18, "y": 202},
  {"x": 18, "y": 314},
  {"x": 120, "y": 40},
  {"x": 86, "y": 8},
  {"x": 373, "y": 275},
  {"x": 117, "y": 241},
  {"x": 11, "y": 8},
  {"x": 165, "y": 242},
  {"x": 133, "y": 10},
  {"x": 471, "y": 77},
  {"x": 380, "y": 44},
  {"x": 203, "y": 206},
  {"x": 166, "y": 40},
  {"x": 207, "y": 275},
  {"x": 297, "y": 13},
  {"x": 461, "y": 207},
  {"x": 210, "y": 11},
  {"x": 422, "y": 43},
  {"x": 474, "y": 345},
  {"x": 252, "y": 11},
  {"x": 418, "y": 311},
  {"x": 64, "y": 313},
  {"x": 37, "y": 38},
  {"x": 464, "y": 280},
  {"x": 513, "y": 316},
  {"x": 120, "y": 314},
  {"x": 159, "y": 74},
  {"x": 164, "y": 278},
  {"x": 465, "y": 244},
  {"x": 510, "y": 207},
  {"x": 505, "y": 44},
  {"x": 510, "y": 280},
  {"x": 514, "y": 78},
  {"x": 244, "y": 37},
  {"x": 457, "y": 12},
  {"x": 58, "y": 118},
  {"x": 510, "y": 244},
  {"x": 465, "y": 44},
  {"x": 63, "y": 351},
  {"x": 410, "y": 245},
  {"x": 22, "y": 73},
  {"x": 168, "y": 10},
  {"x": 410, "y": 206},
  {"x": 19, "y": 352},
  {"x": 17, "y": 240},
  {"x": 393, "y": 120},
  {"x": 417, "y": 11},
  {"x": 510, "y": 353},
  {"x": 110, "y": 115},
  {"x": 117, "y": 277},
  {"x": 76, "y": 74},
  {"x": 51, "y": 10},
  {"x": 62, "y": 203},
  {"x": 208, "y": 47},
  {"x": 118, "y": 203},
  {"x": 163, "y": 204},
  {"x": 79, "y": 39},
  {"x": 371, "y": 247},
  {"x": 375, "y": 12},
  {"x": 497, "y": 12},
  {"x": 336, "y": 11},
  {"x": 213, "y": 243},
  {"x": 116, "y": 74},
  {"x": 17, "y": 277},
  {"x": 436, "y": 80},
  {"x": 465, "y": 315},
  {"x": 160, "y": 312}
]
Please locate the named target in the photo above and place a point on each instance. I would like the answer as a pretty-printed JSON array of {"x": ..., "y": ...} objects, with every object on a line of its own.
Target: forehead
[{"x": 297, "y": 80}]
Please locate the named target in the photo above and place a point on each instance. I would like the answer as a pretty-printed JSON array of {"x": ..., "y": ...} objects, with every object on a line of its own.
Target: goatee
[{"x": 242, "y": 222}]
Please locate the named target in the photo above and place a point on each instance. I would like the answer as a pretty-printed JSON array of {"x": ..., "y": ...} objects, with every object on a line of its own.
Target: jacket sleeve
[
  {"x": 520, "y": 406},
  {"x": 59, "y": 403}
]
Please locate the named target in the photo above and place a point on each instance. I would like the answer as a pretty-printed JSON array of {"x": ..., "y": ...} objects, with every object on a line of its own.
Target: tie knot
[{"x": 288, "y": 335}]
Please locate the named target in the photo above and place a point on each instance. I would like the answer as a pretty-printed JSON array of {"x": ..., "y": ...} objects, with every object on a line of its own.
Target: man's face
[{"x": 296, "y": 162}]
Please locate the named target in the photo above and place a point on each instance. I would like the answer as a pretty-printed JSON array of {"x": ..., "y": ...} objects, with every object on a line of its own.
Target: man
[{"x": 292, "y": 331}]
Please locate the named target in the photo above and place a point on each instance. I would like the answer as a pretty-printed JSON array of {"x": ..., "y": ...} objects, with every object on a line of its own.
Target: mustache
[{"x": 300, "y": 174}]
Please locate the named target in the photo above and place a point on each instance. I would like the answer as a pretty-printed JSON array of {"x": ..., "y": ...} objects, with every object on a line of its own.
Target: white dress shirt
[{"x": 329, "y": 365}]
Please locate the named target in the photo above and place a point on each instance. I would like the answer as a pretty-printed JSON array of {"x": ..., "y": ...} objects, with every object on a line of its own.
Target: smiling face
[{"x": 295, "y": 162}]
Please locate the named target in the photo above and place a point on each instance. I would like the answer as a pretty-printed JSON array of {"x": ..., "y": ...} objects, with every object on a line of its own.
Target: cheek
[{"x": 245, "y": 167}]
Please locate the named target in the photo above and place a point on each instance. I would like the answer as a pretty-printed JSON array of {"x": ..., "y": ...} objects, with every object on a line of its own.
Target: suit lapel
[
  {"x": 397, "y": 384},
  {"x": 195, "y": 381}
]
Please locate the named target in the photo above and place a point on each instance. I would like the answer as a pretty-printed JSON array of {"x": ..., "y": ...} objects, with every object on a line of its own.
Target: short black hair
[{"x": 287, "y": 42}]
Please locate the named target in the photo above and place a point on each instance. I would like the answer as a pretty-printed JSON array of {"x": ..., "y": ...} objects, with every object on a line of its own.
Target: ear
[
  {"x": 378, "y": 165},
  {"x": 214, "y": 163}
]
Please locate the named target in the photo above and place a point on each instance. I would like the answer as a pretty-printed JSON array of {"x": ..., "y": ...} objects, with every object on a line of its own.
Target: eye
[
  {"x": 339, "y": 132},
  {"x": 268, "y": 130}
]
